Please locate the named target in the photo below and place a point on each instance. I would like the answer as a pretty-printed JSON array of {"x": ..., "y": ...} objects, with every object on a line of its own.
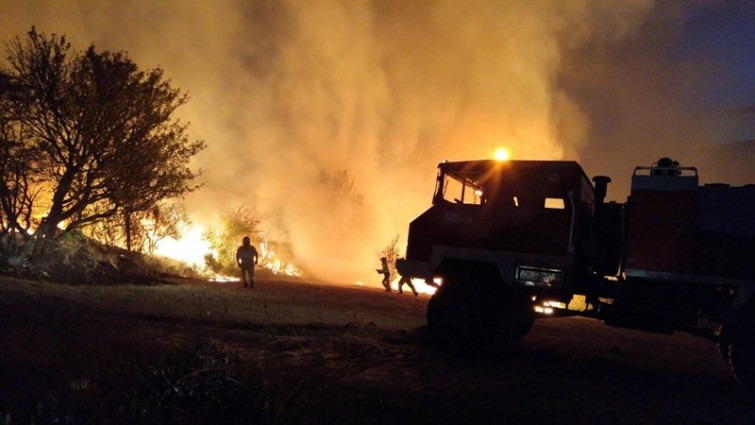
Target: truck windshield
[
  {"x": 529, "y": 206},
  {"x": 462, "y": 191},
  {"x": 533, "y": 189}
]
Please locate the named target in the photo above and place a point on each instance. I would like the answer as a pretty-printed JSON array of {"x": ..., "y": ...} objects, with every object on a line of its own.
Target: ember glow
[{"x": 288, "y": 94}]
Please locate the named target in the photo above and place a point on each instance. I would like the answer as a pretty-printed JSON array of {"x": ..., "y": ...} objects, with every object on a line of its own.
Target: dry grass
[
  {"x": 272, "y": 303},
  {"x": 295, "y": 353}
]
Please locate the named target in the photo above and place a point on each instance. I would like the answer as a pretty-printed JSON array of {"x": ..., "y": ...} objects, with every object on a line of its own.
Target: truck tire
[
  {"x": 473, "y": 311},
  {"x": 742, "y": 349},
  {"x": 452, "y": 323},
  {"x": 515, "y": 317}
]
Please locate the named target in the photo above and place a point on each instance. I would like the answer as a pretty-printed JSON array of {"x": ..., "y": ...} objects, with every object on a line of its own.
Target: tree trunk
[{"x": 127, "y": 229}]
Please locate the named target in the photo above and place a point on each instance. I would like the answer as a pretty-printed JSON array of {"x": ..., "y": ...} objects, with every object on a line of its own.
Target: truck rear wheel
[{"x": 742, "y": 349}]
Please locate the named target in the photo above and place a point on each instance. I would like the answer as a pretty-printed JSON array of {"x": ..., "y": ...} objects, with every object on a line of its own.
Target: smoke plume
[{"x": 328, "y": 118}]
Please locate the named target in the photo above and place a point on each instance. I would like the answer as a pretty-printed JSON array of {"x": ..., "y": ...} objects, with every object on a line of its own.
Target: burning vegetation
[
  {"x": 94, "y": 167},
  {"x": 222, "y": 243}
]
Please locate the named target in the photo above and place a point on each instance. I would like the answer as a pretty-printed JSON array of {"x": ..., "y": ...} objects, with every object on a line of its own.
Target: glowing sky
[{"x": 287, "y": 92}]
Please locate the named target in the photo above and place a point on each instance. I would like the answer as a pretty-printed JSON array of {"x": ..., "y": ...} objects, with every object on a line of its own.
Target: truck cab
[{"x": 524, "y": 217}]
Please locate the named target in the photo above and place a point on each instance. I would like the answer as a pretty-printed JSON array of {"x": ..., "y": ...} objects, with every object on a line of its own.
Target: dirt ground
[{"x": 298, "y": 353}]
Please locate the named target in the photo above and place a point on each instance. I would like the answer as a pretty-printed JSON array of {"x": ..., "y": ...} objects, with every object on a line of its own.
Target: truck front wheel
[
  {"x": 742, "y": 349},
  {"x": 515, "y": 317},
  {"x": 452, "y": 323},
  {"x": 473, "y": 312}
]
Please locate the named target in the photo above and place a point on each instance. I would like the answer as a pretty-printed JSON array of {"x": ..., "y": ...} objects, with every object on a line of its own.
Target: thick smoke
[{"x": 328, "y": 118}]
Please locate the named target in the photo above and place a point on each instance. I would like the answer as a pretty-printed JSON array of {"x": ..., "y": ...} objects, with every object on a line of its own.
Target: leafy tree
[{"x": 101, "y": 130}]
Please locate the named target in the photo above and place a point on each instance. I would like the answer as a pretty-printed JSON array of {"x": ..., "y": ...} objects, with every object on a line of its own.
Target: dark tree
[
  {"x": 102, "y": 129},
  {"x": 17, "y": 163}
]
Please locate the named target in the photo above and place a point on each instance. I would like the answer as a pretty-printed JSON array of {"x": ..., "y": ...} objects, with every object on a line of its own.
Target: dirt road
[{"x": 198, "y": 352}]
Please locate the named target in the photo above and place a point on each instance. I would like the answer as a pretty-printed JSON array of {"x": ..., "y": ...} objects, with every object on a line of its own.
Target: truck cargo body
[{"x": 689, "y": 253}]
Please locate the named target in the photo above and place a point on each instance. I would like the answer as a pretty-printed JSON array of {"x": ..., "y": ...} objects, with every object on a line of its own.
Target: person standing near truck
[
  {"x": 406, "y": 280},
  {"x": 246, "y": 258}
]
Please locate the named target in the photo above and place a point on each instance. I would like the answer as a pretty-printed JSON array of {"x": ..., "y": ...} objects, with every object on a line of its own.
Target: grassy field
[
  {"x": 195, "y": 352},
  {"x": 275, "y": 303}
]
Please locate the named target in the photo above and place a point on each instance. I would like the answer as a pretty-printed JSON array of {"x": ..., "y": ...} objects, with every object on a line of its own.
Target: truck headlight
[
  {"x": 538, "y": 276},
  {"x": 541, "y": 309}
]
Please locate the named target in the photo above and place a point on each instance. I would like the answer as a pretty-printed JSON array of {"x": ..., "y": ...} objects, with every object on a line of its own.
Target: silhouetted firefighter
[
  {"x": 386, "y": 271},
  {"x": 246, "y": 258},
  {"x": 408, "y": 281}
]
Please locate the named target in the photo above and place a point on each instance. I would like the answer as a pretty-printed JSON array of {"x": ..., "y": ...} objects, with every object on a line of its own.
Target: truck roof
[{"x": 482, "y": 167}]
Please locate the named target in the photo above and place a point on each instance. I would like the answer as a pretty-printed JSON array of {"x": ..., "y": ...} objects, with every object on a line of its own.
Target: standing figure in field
[
  {"x": 246, "y": 258},
  {"x": 386, "y": 271}
]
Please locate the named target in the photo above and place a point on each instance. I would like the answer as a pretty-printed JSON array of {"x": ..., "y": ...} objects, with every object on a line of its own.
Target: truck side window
[{"x": 554, "y": 204}]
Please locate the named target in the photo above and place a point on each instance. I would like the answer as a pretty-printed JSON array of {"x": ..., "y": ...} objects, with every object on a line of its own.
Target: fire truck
[{"x": 508, "y": 242}]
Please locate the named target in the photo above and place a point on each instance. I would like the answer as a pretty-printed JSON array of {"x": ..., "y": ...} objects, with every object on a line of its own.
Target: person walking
[
  {"x": 386, "y": 271},
  {"x": 246, "y": 258},
  {"x": 406, "y": 280}
]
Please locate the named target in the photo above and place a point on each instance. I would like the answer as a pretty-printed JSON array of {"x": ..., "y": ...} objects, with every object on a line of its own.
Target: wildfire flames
[
  {"x": 192, "y": 247},
  {"x": 419, "y": 285},
  {"x": 270, "y": 261}
]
